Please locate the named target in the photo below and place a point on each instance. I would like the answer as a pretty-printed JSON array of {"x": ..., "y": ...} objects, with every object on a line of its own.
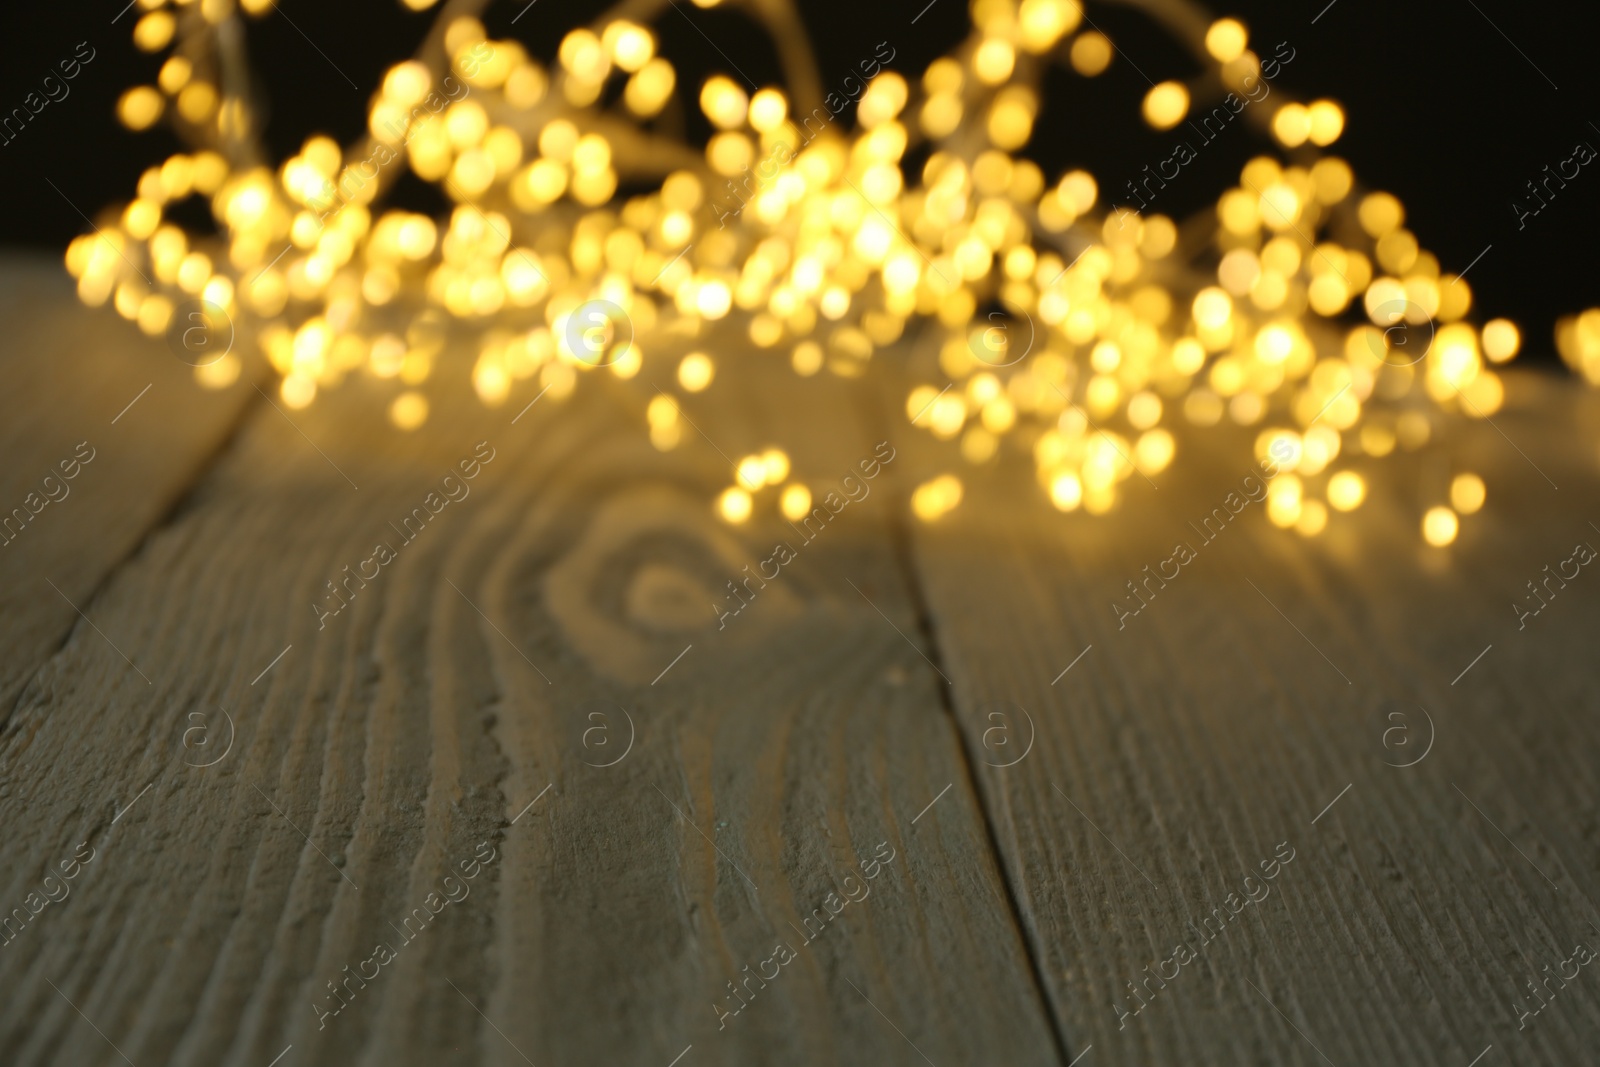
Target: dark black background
[{"x": 1443, "y": 109}]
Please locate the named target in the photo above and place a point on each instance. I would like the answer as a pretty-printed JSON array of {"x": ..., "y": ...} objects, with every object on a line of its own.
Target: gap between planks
[
  {"x": 180, "y": 500},
  {"x": 900, "y": 542}
]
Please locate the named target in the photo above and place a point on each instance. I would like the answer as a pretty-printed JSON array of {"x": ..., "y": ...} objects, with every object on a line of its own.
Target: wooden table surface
[{"x": 524, "y": 799}]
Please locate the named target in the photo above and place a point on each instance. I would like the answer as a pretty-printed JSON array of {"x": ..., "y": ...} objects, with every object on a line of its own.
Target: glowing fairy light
[
  {"x": 1312, "y": 314},
  {"x": 1439, "y": 526}
]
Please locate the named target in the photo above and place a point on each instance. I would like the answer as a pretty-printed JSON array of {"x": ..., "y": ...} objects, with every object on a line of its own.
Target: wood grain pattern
[
  {"x": 68, "y": 374},
  {"x": 1226, "y": 716},
  {"x": 449, "y": 705},
  {"x": 539, "y": 675}
]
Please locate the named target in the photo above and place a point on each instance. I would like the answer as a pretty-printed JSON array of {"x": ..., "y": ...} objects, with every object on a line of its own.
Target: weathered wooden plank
[
  {"x": 1257, "y": 689},
  {"x": 70, "y": 374},
  {"x": 451, "y": 707},
  {"x": 458, "y": 692}
]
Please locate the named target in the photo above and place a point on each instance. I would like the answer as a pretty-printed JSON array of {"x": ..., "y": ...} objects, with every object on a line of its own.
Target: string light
[
  {"x": 1439, "y": 526},
  {"x": 1308, "y": 313}
]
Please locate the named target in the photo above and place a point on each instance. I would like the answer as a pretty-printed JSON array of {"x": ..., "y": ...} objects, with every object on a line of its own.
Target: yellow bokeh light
[
  {"x": 774, "y": 465},
  {"x": 1313, "y": 518},
  {"x": 734, "y": 505},
  {"x": 1070, "y": 319},
  {"x": 1284, "y": 497},
  {"x": 409, "y": 410},
  {"x": 630, "y": 45},
  {"x": 751, "y": 473},
  {"x": 1325, "y": 122},
  {"x": 714, "y": 300},
  {"x": 197, "y": 101},
  {"x": 297, "y": 390},
  {"x": 723, "y": 102},
  {"x": 1467, "y": 493},
  {"x": 1066, "y": 491},
  {"x": 152, "y": 32},
  {"x": 1212, "y": 308},
  {"x": 648, "y": 91},
  {"x": 140, "y": 107},
  {"x": 1154, "y": 451},
  {"x": 1439, "y": 526},
  {"x": 993, "y": 61},
  {"x": 931, "y": 500},
  {"x": 1166, "y": 104},
  {"x": 795, "y": 502},
  {"x": 1346, "y": 491},
  {"x": 695, "y": 371},
  {"x": 1090, "y": 53},
  {"x": 768, "y": 109},
  {"x": 1291, "y": 125},
  {"x": 806, "y": 358},
  {"x": 1044, "y": 22},
  {"x": 1501, "y": 340},
  {"x": 1380, "y": 214},
  {"x": 1226, "y": 40}
]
